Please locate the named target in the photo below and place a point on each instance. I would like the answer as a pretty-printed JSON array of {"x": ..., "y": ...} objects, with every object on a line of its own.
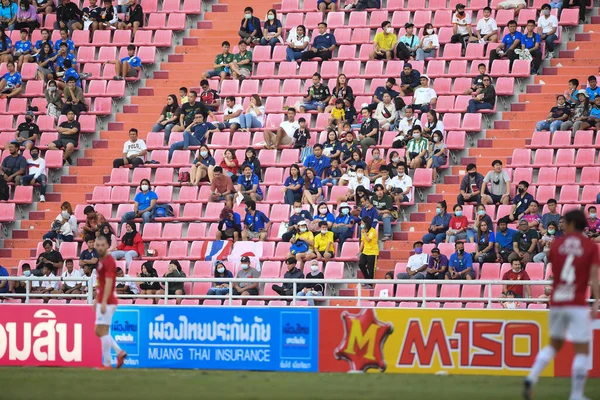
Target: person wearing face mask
[
  {"x": 458, "y": 227},
  {"x": 145, "y": 201},
  {"x": 323, "y": 215},
  {"x": 461, "y": 28},
  {"x": 323, "y": 246},
  {"x": 36, "y": 173},
  {"x": 53, "y": 97},
  {"x": 470, "y": 186},
  {"x": 437, "y": 265},
  {"x": 272, "y": 30},
  {"x": 220, "y": 288},
  {"x": 20, "y": 287},
  {"x": 369, "y": 130},
  {"x": 545, "y": 242},
  {"x": 547, "y": 26},
  {"x": 250, "y": 31},
  {"x": 310, "y": 289},
  {"x": 460, "y": 265},
  {"x": 439, "y": 225},
  {"x": 487, "y": 28},
  {"x": 131, "y": 245},
  {"x": 343, "y": 226},
  {"x": 516, "y": 273},
  {"x": 417, "y": 264},
  {"x": 558, "y": 114},
  {"x": 28, "y": 132},
  {"x": 405, "y": 127},
  {"x": 302, "y": 243},
  {"x": 355, "y": 181},
  {"x": 66, "y": 215},
  {"x": 369, "y": 249},
  {"x": 521, "y": 203},
  {"x": 382, "y": 202},
  {"x": 298, "y": 215},
  {"x": 524, "y": 243},
  {"x": 592, "y": 230},
  {"x": 437, "y": 156},
  {"x": 385, "y": 113},
  {"x": 416, "y": 149},
  {"x": 429, "y": 44},
  {"x": 374, "y": 166},
  {"x": 384, "y": 42},
  {"x": 292, "y": 272}
]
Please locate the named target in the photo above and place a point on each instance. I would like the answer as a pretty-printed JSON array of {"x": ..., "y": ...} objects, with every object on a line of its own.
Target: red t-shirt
[
  {"x": 107, "y": 268},
  {"x": 571, "y": 257},
  {"x": 511, "y": 275},
  {"x": 457, "y": 223}
]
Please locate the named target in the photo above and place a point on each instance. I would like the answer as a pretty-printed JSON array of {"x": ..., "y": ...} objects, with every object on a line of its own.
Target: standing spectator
[
  {"x": 318, "y": 96},
  {"x": 256, "y": 223},
  {"x": 486, "y": 99},
  {"x": 401, "y": 186},
  {"x": 188, "y": 111},
  {"x": 14, "y": 166},
  {"x": 131, "y": 245},
  {"x": 221, "y": 187},
  {"x": 326, "y": 6},
  {"x": 547, "y": 27},
  {"x": 248, "y": 185},
  {"x": 384, "y": 43},
  {"x": 23, "y": 49},
  {"x": 68, "y": 138},
  {"x": 128, "y": 287},
  {"x": 66, "y": 215},
  {"x": 285, "y": 132},
  {"x": 323, "y": 45},
  {"x": 424, "y": 96},
  {"x": 416, "y": 149},
  {"x": 195, "y": 134},
  {"x": 220, "y": 288},
  {"x": 383, "y": 204},
  {"x": 461, "y": 28},
  {"x": 485, "y": 244},
  {"x": 254, "y": 117},
  {"x": 272, "y": 30},
  {"x": 516, "y": 273},
  {"x": 439, "y": 225},
  {"x": 521, "y": 202},
  {"x": 460, "y": 265},
  {"x": 50, "y": 258},
  {"x": 37, "y": 172},
  {"x": 312, "y": 289},
  {"x": 429, "y": 43},
  {"x": 385, "y": 113},
  {"x": 558, "y": 114},
  {"x": 524, "y": 244},
  {"x": 437, "y": 266},
  {"x": 417, "y": 264},
  {"x": 470, "y": 186},
  {"x": 28, "y": 132},
  {"x": 221, "y": 67},
  {"x": 8, "y": 15},
  {"x": 134, "y": 151},
  {"x": 209, "y": 97},
  {"x": 68, "y": 16},
  {"x": 293, "y": 186},
  {"x": 89, "y": 256},
  {"x": 592, "y": 89},
  {"x": 458, "y": 229},
  {"x": 324, "y": 246},
  {"x": 487, "y": 28},
  {"x": 250, "y": 30},
  {"x": 297, "y": 43},
  {"x": 337, "y": 116},
  {"x": 74, "y": 100},
  {"x": 510, "y": 42},
  {"x": 230, "y": 223},
  {"x": 144, "y": 204},
  {"x": 369, "y": 130},
  {"x": 369, "y": 248},
  {"x": 134, "y": 17},
  {"x": 292, "y": 272},
  {"x": 407, "y": 46},
  {"x": 437, "y": 155},
  {"x": 504, "y": 241},
  {"x": 246, "y": 272},
  {"x": 409, "y": 80},
  {"x": 174, "y": 270},
  {"x": 313, "y": 189},
  {"x": 499, "y": 191},
  {"x": 580, "y": 113},
  {"x": 202, "y": 167},
  {"x": 241, "y": 67},
  {"x": 27, "y": 16},
  {"x": 343, "y": 227},
  {"x": 11, "y": 83}
]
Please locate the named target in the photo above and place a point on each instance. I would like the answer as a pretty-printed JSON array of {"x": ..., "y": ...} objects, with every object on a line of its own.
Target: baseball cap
[
  {"x": 30, "y": 114},
  {"x": 344, "y": 205},
  {"x": 301, "y": 222},
  {"x": 424, "y": 76},
  {"x": 245, "y": 259}
]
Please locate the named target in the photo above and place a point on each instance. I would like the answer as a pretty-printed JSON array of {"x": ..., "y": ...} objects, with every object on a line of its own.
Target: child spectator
[
  {"x": 301, "y": 135},
  {"x": 332, "y": 174},
  {"x": 338, "y": 114}
]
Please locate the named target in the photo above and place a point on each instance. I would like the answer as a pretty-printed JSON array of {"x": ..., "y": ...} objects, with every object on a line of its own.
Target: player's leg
[
  {"x": 580, "y": 333},
  {"x": 103, "y": 322}
]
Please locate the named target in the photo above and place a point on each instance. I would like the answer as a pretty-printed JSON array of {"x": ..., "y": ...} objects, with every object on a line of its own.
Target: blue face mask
[
  {"x": 345, "y": 211},
  {"x": 418, "y": 250},
  {"x": 481, "y": 212},
  {"x": 438, "y": 210},
  {"x": 458, "y": 213}
]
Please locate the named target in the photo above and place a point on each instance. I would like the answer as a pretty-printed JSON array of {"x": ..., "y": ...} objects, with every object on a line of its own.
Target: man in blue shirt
[
  {"x": 194, "y": 135},
  {"x": 323, "y": 45},
  {"x": 256, "y": 223},
  {"x": 45, "y": 38},
  {"x": 3, "y": 283},
  {"x": 369, "y": 211},
  {"x": 64, "y": 55},
  {"x": 248, "y": 185},
  {"x": 461, "y": 264},
  {"x": 409, "y": 79},
  {"x": 510, "y": 42},
  {"x": 10, "y": 85},
  {"x": 70, "y": 72},
  {"x": 594, "y": 118},
  {"x": 317, "y": 161},
  {"x": 521, "y": 203},
  {"x": 64, "y": 38},
  {"x": 592, "y": 90},
  {"x": 22, "y": 49},
  {"x": 504, "y": 241},
  {"x": 298, "y": 215},
  {"x": 388, "y": 88},
  {"x": 145, "y": 201},
  {"x": 531, "y": 41},
  {"x": 127, "y": 67}
]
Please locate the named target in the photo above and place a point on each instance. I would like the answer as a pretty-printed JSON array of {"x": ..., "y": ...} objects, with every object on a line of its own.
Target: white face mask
[
  {"x": 298, "y": 210},
  {"x": 388, "y": 30},
  {"x": 221, "y": 270},
  {"x": 359, "y": 175},
  {"x": 417, "y": 136},
  {"x": 65, "y": 214},
  {"x": 302, "y": 229},
  {"x": 145, "y": 188},
  {"x": 323, "y": 210},
  {"x": 395, "y": 159},
  {"x": 324, "y": 232},
  {"x": 26, "y": 273},
  {"x": 400, "y": 174},
  {"x": 430, "y": 31},
  {"x": 436, "y": 139},
  {"x": 314, "y": 268},
  {"x": 244, "y": 266},
  {"x": 203, "y": 153}
]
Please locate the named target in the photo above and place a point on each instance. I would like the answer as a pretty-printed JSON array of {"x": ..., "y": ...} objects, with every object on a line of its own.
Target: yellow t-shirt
[
  {"x": 306, "y": 236},
  {"x": 385, "y": 42},
  {"x": 321, "y": 241},
  {"x": 370, "y": 248},
  {"x": 338, "y": 113}
]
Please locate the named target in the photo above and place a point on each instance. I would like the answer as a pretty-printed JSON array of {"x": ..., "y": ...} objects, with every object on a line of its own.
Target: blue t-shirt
[
  {"x": 144, "y": 200},
  {"x": 525, "y": 201},
  {"x": 462, "y": 264},
  {"x": 327, "y": 217},
  {"x": 207, "y": 162},
  {"x": 345, "y": 219},
  {"x": 257, "y": 222},
  {"x": 383, "y": 89},
  {"x": 12, "y": 80},
  {"x": 38, "y": 44},
  {"x": 134, "y": 61},
  {"x": 4, "y": 272},
  {"x": 248, "y": 183},
  {"x": 324, "y": 41},
  {"x": 509, "y": 39},
  {"x": 347, "y": 149},
  {"x": 289, "y": 181},
  {"x": 593, "y": 92},
  {"x": 9, "y": 12},
  {"x": 491, "y": 238},
  {"x": 69, "y": 42},
  {"x": 315, "y": 185},
  {"x": 199, "y": 131},
  {"x": 333, "y": 173},
  {"x": 295, "y": 218},
  {"x": 5, "y": 45},
  {"x": 505, "y": 240},
  {"x": 530, "y": 42},
  {"x": 318, "y": 164},
  {"x": 236, "y": 221},
  {"x": 372, "y": 213},
  {"x": 23, "y": 46},
  {"x": 272, "y": 28},
  {"x": 332, "y": 148},
  {"x": 71, "y": 72},
  {"x": 595, "y": 112},
  {"x": 60, "y": 60},
  {"x": 355, "y": 164}
]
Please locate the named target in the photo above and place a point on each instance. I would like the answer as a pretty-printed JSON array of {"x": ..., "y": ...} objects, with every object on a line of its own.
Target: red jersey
[
  {"x": 571, "y": 257},
  {"x": 511, "y": 275},
  {"x": 107, "y": 268}
]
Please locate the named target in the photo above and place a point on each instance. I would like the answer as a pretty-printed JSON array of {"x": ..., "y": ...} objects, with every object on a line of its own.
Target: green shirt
[
  {"x": 248, "y": 56},
  {"x": 222, "y": 59},
  {"x": 415, "y": 146}
]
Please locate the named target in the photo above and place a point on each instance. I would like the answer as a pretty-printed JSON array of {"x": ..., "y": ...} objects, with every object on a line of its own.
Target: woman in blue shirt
[
  {"x": 485, "y": 244},
  {"x": 272, "y": 30},
  {"x": 332, "y": 148},
  {"x": 45, "y": 62},
  {"x": 293, "y": 185},
  {"x": 439, "y": 226},
  {"x": 313, "y": 189},
  {"x": 202, "y": 166},
  {"x": 253, "y": 162},
  {"x": 5, "y": 46},
  {"x": 323, "y": 214}
]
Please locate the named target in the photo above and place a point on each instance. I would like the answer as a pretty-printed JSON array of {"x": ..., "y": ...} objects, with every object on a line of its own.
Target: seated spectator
[
  {"x": 460, "y": 265},
  {"x": 323, "y": 215},
  {"x": 332, "y": 148},
  {"x": 66, "y": 215},
  {"x": 486, "y": 99},
  {"x": 516, "y": 5},
  {"x": 23, "y": 49},
  {"x": 406, "y": 48},
  {"x": 20, "y": 287},
  {"x": 148, "y": 271},
  {"x": 477, "y": 81},
  {"x": 248, "y": 185},
  {"x": 246, "y": 272},
  {"x": 384, "y": 42},
  {"x": 11, "y": 83},
  {"x": 510, "y": 42},
  {"x": 432, "y": 124},
  {"x": 251, "y": 160},
  {"x": 188, "y": 111},
  {"x": 332, "y": 174},
  {"x": 301, "y": 136},
  {"x": 383, "y": 204},
  {"x": 547, "y": 25},
  {"x": 485, "y": 244},
  {"x": 230, "y": 165},
  {"x": 369, "y": 249},
  {"x": 254, "y": 117},
  {"x": 530, "y": 43},
  {"x": 28, "y": 132},
  {"x": 126, "y": 288},
  {"x": 524, "y": 243},
  {"x": 8, "y": 15},
  {"x": 109, "y": 18},
  {"x": 405, "y": 125},
  {"x": 571, "y": 92},
  {"x": 504, "y": 241},
  {"x": 293, "y": 186},
  {"x": 532, "y": 215},
  {"x": 360, "y": 5},
  {"x": 429, "y": 44},
  {"x": 13, "y": 167},
  {"x": 27, "y": 17},
  {"x": 462, "y": 31},
  {"x": 499, "y": 181},
  {"x": 550, "y": 216},
  {"x": 46, "y": 286},
  {"x": 297, "y": 43},
  {"x": 209, "y": 97},
  {"x": 343, "y": 227},
  {"x": 317, "y": 161},
  {"x": 417, "y": 264},
  {"x": 256, "y": 223},
  {"x": 36, "y": 173},
  {"x": 342, "y": 91},
  {"x": 384, "y": 179},
  {"x": 516, "y": 273},
  {"x": 298, "y": 215},
  {"x": 510, "y": 303},
  {"x": 195, "y": 134},
  {"x": 521, "y": 203},
  {"x": 134, "y": 17},
  {"x": 46, "y": 72},
  {"x": 416, "y": 149},
  {"x": 221, "y": 186},
  {"x": 313, "y": 188},
  {"x": 487, "y": 28},
  {"x": 88, "y": 275},
  {"x": 378, "y": 95},
  {"x": 437, "y": 155},
  {"x": 470, "y": 186},
  {"x": 580, "y": 113},
  {"x": 134, "y": 151},
  {"x": 107, "y": 231},
  {"x": 348, "y": 148},
  {"x": 50, "y": 258},
  {"x": 369, "y": 129},
  {"x": 593, "y": 121},
  {"x": 45, "y": 7},
  {"x": 303, "y": 241},
  {"x": 424, "y": 96},
  {"x": 250, "y": 30},
  {"x": 89, "y": 256},
  {"x": 174, "y": 288},
  {"x": 409, "y": 80},
  {"x": 183, "y": 94},
  {"x": 64, "y": 61},
  {"x": 74, "y": 100},
  {"x": 592, "y": 230},
  {"x": 292, "y": 272},
  {"x": 326, "y": 6},
  {"x": 374, "y": 166},
  {"x": 241, "y": 67},
  {"x": 458, "y": 229},
  {"x": 337, "y": 116},
  {"x": 202, "y": 167},
  {"x": 285, "y": 132},
  {"x": 401, "y": 186},
  {"x": 131, "y": 245},
  {"x": 545, "y": 242},
  {"x": 68, "y": 138},
  {"x": 230, "y": 223},
  {"x": 323, "y": 45},
  {"x": 272, "y": 30},
  {"x": 318, "y": 96},
  {"x": 220, "y": 288},
  {"x": 359, "y": 179},
  {"x": 439, "y": 225},
  {"x": 127, "y": 67},
  {"x": 144, "y": 204},
  {"x": 592, "y": 89},
  {"x": 385, "y": 113},
  {"x": 437, "y": 266},
  {"x": 312, "y": 289},
  {"x": 558, "y": 114},
  {"x": 222, "y": 68}
]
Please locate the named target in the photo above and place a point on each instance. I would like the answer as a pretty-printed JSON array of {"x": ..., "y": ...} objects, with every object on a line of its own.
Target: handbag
[
  {"x": 53, "y": 111},
  {"x": 184, "y": 177},
  {"x": 299, "y": 247}
]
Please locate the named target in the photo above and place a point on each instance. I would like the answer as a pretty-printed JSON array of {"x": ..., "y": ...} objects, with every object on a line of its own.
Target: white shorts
[
  {"x": 106, "y": 318},
  {"x": 571, "y": 323}
]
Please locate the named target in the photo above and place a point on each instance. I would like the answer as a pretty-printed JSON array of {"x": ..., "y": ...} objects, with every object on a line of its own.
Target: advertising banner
[
  {"x": 43, "y": 335},
  {"x": 427, "y": 341},
  {"x": 270, "y": 339}
]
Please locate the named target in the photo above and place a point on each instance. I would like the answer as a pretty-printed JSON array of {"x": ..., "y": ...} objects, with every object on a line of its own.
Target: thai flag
[{"x": 217, "y": 250}]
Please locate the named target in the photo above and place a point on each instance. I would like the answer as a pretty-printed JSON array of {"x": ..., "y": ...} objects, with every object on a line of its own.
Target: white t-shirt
[
  {"x": 260, "y": 117},
  {"x": 233, "y": 110},
  {"x": 353, "y": 183},
  {"x": 431, "y": 39},
  {"x": 416, "y": 261},
  {"x": 423, "y": 95},
  {"x": 55, "y": 285},
  {"x": 297, "y": 42},
  {"x": 132, "y": 285},
  {"x": 547, "y": 24},
  {"x": 463, "y": 23},
  {"x": 289, "y": 127},
  {"x": 402, "y": 183},
  {"x": 134, "y": 148},
  {"x": 379, "y": 181},
  {"x": 84, "y": 282},
  {"x": 75, "y": 274},
  {"x": 36, "y": 167},
  {"x": 486, "y": 27},
  {"x": 405, "y": 126}
]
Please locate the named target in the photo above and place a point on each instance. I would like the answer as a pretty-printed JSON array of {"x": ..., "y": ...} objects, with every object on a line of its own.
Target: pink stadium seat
[
  {"x": 521, "y": 158},
  {"x": 312, "y": 20},
  {"x": 176, "y": 22},
  {"x": 564, "y": 157},
  {"x": 585, "y": 157},
  {"x": 400, "y": 18},
  {"x": 589, "y": 176},
  {"x": 422, "y": 17},
  {"x": 358, "y": 19},
  {"x": 377, "y": 17},
  {"x": 152, "y": 231},
  {"x": 335, "y": 20},
  {"x": 163, "y": 37},
  {"x": 545, "y": 193}
]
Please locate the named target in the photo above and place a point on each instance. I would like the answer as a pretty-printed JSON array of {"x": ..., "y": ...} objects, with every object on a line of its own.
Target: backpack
[
  {"x": 184, "y": 177},
  {"x": 4, "y": 190},
  {"x": 163, "y": 210}
]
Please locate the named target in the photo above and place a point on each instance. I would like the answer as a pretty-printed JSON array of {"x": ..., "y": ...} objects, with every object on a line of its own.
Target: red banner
[{"x": 43, "y": 335}]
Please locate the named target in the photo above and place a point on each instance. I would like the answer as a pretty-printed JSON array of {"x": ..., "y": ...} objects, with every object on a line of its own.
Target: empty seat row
[{"x": 549, "y": 158}]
